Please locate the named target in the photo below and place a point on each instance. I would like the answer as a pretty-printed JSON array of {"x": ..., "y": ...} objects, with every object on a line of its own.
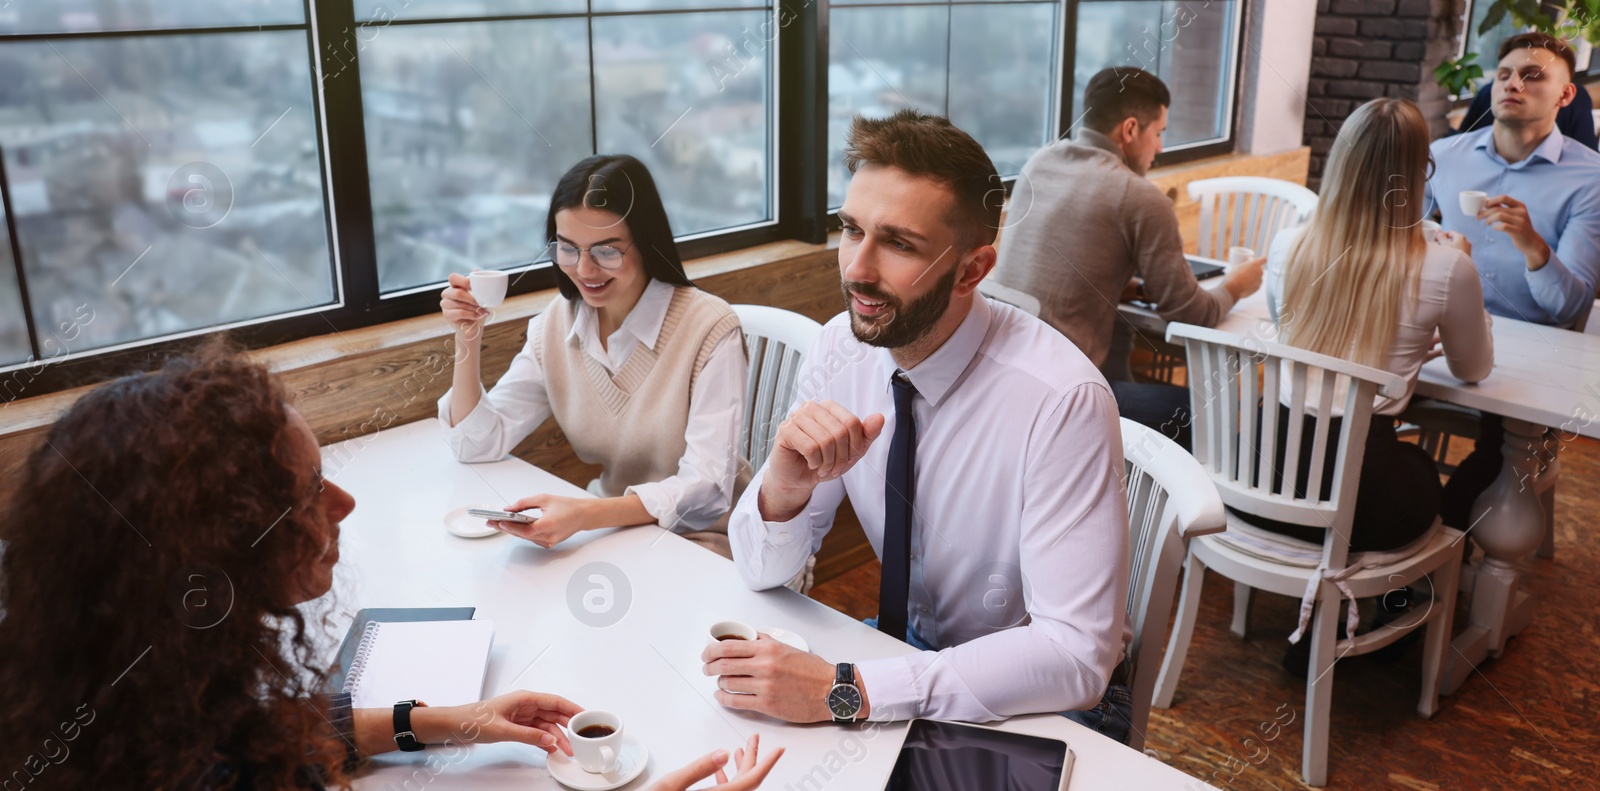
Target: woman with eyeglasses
[{"x": 643, "y": 372}]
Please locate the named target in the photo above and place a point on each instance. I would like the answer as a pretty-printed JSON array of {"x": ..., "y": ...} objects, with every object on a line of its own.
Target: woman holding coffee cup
[{"x": 643, "y": 372}]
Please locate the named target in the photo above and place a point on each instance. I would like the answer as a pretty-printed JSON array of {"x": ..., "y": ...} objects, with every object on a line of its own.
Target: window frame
[{"x": 798, "y": 82}]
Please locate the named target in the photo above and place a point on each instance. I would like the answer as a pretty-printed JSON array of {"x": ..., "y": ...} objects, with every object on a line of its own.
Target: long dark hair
[
  {"x": 147, "y": 586},
  {"x": 622, "y": 185}
]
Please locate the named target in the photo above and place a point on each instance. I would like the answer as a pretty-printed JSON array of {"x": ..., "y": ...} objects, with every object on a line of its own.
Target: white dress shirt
[
  {"x": 702, "y": 491},
  {"x": 1019, "y": 550}
]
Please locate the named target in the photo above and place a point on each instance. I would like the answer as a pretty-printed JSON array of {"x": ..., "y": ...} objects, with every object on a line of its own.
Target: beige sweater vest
[{"x": 633, "y": 424}]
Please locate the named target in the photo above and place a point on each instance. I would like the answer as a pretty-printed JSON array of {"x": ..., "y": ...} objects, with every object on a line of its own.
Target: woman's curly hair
[{"x": 153, "y": 554}]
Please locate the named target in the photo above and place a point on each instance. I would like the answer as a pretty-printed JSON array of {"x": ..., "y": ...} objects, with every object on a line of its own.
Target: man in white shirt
[{"x": 981, "y": 451}]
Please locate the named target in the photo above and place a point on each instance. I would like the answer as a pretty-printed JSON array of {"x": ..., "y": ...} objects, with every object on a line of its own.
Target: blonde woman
[{"x": 1362, "y": 282}]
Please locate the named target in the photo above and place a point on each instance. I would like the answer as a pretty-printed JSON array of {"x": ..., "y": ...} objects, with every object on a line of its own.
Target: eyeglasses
[{"x": 604, "y": 256}]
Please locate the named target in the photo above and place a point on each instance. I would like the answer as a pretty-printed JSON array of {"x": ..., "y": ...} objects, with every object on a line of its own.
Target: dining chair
[
  {"x": 1028, "y": 303},
  {"x": 1231, "y": 377},
  {"x": 776, "y": 341},
  {"x": 1247, "y": 211},
  {"x": 1171, "y": 500}
]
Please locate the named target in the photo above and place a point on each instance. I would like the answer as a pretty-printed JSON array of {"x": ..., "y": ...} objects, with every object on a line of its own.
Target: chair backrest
[
  {"x": 1022, "y": 300},
  {"x": 1247, "y": 211},
  {"x": 1170, "y": 500},
  {"x": 777, "y": 341},
  {"x": 1236, "y": 385}
]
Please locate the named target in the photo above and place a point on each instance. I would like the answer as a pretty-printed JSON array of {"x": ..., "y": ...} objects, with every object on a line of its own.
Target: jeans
[
  {"x": 1164, "y": 408},
  {"x": 1112, "y": 717},
  {"x": 1474, "y": 474}
]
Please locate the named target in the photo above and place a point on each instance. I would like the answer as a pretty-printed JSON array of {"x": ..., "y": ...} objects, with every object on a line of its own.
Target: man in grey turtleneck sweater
[{"x": 1084, "y": 222}]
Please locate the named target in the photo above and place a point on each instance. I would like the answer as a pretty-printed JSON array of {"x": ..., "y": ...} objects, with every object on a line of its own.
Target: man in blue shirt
[{"x": 1536, "y": 242}]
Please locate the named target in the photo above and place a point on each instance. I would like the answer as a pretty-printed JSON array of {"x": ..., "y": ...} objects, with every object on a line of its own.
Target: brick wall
[{"x": 1364, "y": 49}]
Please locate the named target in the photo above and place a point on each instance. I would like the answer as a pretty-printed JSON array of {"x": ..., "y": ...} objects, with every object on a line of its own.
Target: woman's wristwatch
[{"x": 404, "y": 738}]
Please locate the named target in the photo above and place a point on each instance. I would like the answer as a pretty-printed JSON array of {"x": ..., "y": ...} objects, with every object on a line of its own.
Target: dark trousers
[
  {"x": 1164, "y": 408},
  {"x": 1396, "y": 501},
  {"x": 1474, "y": 474}
]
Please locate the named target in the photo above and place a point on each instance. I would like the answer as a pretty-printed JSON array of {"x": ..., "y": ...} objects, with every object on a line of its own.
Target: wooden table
[
  {"x": 613, "y": 619},
  {"x": 1544, "y": 378}
]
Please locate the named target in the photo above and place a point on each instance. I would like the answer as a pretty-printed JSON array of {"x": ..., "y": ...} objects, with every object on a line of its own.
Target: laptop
[{"x": 1204, "y": 268}]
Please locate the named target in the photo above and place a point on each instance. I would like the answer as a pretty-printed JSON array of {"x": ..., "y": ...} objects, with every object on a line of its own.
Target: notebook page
[{"x": 441, "y": 663}]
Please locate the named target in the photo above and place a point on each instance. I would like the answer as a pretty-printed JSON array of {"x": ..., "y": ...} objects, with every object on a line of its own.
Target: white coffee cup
[
  {"x": 596, "y": 754},
  {"x": 489, "y": 287},
  {"x": 730, "y": 630},
  {"x": 1240, "y": 255},
  {"x": 1472, "y": 202},
  {"x": 1429, "y": 228}
]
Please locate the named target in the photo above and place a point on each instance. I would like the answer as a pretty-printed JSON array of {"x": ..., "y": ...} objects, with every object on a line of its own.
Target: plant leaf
[{"x": 1492, "y": 17}]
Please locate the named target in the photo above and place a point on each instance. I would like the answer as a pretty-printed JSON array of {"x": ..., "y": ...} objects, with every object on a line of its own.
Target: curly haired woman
[{"x": 143, "y": 504}]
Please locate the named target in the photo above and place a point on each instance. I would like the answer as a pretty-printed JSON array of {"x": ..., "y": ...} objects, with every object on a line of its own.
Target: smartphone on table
[{"x": 524, "y": 517}]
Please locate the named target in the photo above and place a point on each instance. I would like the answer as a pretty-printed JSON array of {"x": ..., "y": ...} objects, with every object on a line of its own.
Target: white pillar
[{"x": 1276, "y": 69}]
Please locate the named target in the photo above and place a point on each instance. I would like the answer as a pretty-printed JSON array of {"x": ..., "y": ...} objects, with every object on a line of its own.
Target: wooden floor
[{"x": 1527, "y": 720}]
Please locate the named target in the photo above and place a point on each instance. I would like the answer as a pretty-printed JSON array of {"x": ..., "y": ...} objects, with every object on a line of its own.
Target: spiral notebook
[{"x": 441, "y": 663}]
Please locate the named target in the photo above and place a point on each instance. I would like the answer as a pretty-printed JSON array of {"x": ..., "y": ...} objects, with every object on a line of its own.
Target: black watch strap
[
  {"x": 404, "y": 738},
  {"x": 845, "y": 676}
]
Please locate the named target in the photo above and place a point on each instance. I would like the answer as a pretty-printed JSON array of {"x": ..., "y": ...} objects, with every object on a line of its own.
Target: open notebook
[{"x": 441, "y": 663}]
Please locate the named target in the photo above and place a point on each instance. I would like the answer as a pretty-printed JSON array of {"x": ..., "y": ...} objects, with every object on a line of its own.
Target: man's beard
[{"x": 899, "y": 325}]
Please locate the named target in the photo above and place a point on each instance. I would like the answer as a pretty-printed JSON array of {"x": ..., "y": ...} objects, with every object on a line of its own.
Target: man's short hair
[
  {"x": 1120, "y": 92},
  {"x": 1545, "y": 41},
  {"x": 931, "y": 146}
]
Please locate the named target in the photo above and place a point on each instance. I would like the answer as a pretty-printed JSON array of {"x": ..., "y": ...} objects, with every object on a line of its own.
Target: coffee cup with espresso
[
  {"x": 731, "y": 630},
  {"x": 1472, "y": 202},
  {"x": 596, "y": 738}
]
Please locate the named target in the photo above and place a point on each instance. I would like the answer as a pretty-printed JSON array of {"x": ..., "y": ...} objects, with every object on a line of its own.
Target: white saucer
[
  {"x": 788, "y": 638},
  {"x": 460, "y": 524},
  {"x": 630, "y": 764}
]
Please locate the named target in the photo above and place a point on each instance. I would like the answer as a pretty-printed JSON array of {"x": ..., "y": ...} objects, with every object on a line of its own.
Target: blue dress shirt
[{"x": 1560, "y": 183}]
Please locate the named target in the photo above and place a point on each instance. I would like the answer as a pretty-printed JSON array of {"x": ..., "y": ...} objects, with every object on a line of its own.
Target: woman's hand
[
  {"x": 751, "y": 770},
  {"x": 561, "y": 518},
  {"x": 1455, "y": 240},
  {"x": 527, "y": 717},
  {"x": 461, "y": 309}
]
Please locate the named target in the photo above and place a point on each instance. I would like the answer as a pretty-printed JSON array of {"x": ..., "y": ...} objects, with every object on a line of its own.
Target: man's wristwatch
[
  {"x": 403, "y": 736},
  {"x": 844, "y": 699}
]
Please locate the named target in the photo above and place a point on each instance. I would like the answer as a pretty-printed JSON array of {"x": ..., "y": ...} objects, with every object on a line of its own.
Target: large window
[
  {"x": 287, "y": 168},
  {"x": 1190, "y": 46},
  {"x": 989, "y": 66},
  {"x": 469, "y": 123},
  {"x": 160, "y": 182}
]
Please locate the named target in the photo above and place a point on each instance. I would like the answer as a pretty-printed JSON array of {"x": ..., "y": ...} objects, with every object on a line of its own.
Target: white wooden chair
[
  {"x": 777, "y": 341},
  {"x": 1170, "y": 501},
  {"x": 1028, "y": 303},
  {"x": 1247, "y": 211},
  {"x": 1230, "y": 377}
]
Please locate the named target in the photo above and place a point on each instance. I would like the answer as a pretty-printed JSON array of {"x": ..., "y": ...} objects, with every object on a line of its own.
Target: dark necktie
[{"x": 900, "y": 487}]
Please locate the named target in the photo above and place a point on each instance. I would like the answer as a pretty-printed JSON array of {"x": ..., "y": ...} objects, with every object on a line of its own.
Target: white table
[
  {"x": 1543, "y": 378},
  {"x": 645, "y": 665}
]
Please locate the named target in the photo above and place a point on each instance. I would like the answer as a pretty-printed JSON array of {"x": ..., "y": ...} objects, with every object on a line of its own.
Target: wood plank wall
[{"x": 354, "y": 383}]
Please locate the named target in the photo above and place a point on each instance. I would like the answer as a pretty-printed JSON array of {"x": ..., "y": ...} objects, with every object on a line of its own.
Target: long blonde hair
[{"x": 1348, "y": 273}]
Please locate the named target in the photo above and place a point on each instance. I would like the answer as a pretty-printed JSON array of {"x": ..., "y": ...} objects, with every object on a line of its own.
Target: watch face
[{"x": 844, "y": 702}]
